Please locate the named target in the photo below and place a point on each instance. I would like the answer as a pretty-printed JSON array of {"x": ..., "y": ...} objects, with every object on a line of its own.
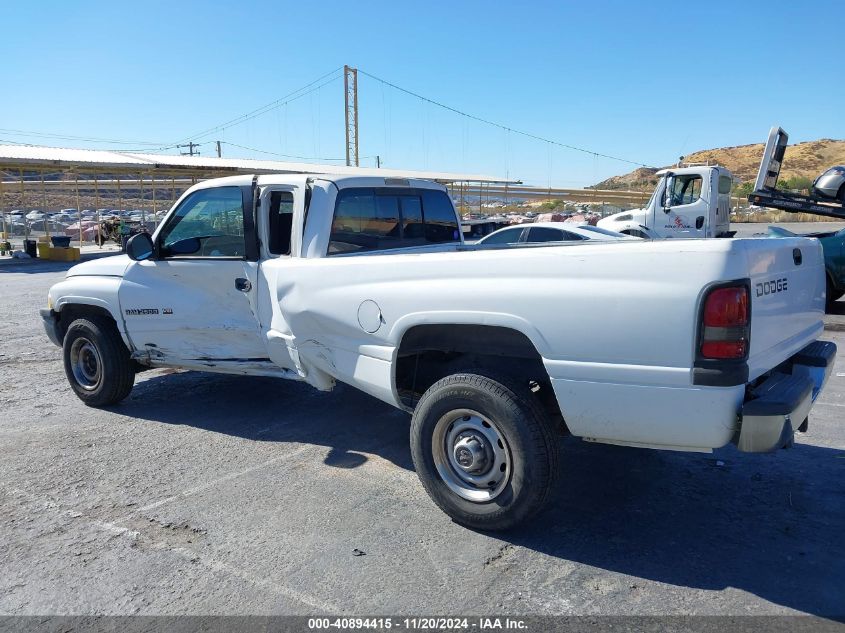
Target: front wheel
[
  {"x": 97, "y": 363},
  {"x": 484, "y": 450}
]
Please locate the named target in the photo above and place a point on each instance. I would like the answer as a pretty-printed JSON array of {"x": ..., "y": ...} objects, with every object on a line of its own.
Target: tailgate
[{"x": 787, "y": 299}]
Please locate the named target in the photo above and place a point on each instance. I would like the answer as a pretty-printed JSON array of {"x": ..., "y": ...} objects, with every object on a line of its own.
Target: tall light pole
[{"x": 350, "y": 92}]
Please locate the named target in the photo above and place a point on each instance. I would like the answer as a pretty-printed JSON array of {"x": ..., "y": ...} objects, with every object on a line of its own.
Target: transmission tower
[{"x": 350, "y": 85}]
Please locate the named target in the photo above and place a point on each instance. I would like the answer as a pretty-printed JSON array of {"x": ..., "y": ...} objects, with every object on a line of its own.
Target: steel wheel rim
[
  {"x": 86, "y": 364},
  {"x": 471, "y": 455}
]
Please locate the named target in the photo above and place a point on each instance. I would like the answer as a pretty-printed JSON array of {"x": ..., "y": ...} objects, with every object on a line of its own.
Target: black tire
[
  {"x": 529, "y": 442},
  {"x": 97, "y": 363}
]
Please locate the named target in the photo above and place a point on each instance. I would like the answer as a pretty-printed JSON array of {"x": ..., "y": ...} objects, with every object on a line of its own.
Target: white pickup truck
[{"x": 676, "y": 344}]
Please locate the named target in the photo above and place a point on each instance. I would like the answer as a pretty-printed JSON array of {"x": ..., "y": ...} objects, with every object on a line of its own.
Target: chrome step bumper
[{"x": 781, "y": 405}]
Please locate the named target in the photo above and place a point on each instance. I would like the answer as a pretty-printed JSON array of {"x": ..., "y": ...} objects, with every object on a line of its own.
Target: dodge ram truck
[{"x": 495, "y": 351}]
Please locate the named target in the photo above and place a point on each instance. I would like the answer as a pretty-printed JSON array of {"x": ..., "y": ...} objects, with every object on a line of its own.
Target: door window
[
  {"x": 280, "y": 222},
  {"x": 208, "y": 223},
  {"x": 686, "y": 189},
  {"x": 544, "y": 234},
  {"x": 507, "y": 236}
]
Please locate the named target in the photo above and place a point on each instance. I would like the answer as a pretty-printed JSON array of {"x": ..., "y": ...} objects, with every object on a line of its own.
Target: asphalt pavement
[{"x": 213, "y": 494}]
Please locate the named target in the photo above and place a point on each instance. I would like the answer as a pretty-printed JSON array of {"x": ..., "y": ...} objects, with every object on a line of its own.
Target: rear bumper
[
  {"x": 51, "y": 326},
  {"x": 781, "y": 405}
]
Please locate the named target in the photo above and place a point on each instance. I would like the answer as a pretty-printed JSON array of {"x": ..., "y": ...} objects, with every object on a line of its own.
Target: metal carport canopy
[{"x": 35, "y": 157}]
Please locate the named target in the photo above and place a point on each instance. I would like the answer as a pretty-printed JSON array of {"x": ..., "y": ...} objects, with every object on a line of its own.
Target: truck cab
[{"x": 688, "y": 202}]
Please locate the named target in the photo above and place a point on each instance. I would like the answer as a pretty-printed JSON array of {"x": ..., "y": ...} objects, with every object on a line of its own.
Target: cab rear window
[{"x": 376, "y": 219}]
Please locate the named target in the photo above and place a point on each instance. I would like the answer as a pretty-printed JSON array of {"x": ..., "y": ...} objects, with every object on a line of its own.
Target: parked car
[
  {"x": 833, "y": 246},
  {"x": 831, "y": 184},
  {"x": 550, "y": 232},
  {"x": 45, "y": 224}
]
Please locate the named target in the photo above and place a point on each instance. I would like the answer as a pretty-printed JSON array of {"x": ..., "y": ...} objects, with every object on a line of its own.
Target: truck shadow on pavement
[
  {"x": 347, "y": 421},
  {"x": 771, "y": 525}
]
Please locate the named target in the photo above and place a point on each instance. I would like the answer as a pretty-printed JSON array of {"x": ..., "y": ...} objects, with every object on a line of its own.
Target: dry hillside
[{"x": 802, "y": 159}]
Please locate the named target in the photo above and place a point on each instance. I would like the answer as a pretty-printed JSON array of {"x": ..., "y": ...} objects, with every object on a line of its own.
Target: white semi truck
[
  {"x": 693, "y": 201},
  {"x": 494, "y": 351}
]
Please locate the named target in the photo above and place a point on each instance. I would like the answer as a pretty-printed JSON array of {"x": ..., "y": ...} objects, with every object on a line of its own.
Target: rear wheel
[
  {"x": 484, "y": 450},
  {"x": 97, "y": 363}
]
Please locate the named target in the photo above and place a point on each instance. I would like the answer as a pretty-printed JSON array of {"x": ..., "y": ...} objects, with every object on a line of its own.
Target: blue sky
[{"x": 642, "y": 81}]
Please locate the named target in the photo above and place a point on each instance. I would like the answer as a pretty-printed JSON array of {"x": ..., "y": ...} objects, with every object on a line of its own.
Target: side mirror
[
  {"x": 140, "y": 247},
  {"x": 667, "y": 193}
]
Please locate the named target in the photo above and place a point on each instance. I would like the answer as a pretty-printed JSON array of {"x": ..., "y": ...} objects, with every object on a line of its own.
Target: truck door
[
  {"x": 684, "y": 207},
  {"x": 280, "y": 207},
  {"x": 193, "y": 302}
]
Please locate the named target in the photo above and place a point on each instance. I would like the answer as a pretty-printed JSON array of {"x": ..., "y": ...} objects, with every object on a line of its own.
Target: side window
[
  {"x": 441, "y": 224},
  {"x": 412, "y": 219},
  {"x": 507, "y": 236},
  {"x": 381, "y": 219},
  {"x": 725, "y": 184},
  {"x": 280, "y": 222},
  {"x": 208, "y": 223},
  {"x": 544, "y": 234},
  {"x": 364, "y": 221},
  {"x": 686, "y": 189},
  {"x": 572, "y": 237}
]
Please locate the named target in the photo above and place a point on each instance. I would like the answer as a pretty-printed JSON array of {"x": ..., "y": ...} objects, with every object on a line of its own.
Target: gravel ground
[{"x": 211, "y": 494}]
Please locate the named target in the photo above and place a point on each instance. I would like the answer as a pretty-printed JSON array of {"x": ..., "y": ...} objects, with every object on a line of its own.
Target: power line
[
  {"x": 293, "y": 96},
  {"x": 68, "y": 137},
  {"x": 499, "y": 125},
  {"x": 261, "y": 151}
]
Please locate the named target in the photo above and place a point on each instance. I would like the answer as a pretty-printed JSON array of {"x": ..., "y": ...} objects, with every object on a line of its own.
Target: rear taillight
[{"x": 725, "y": 323}]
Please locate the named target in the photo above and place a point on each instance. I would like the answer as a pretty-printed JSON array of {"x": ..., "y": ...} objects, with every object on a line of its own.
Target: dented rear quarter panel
[{"x": 610, "y": 320}]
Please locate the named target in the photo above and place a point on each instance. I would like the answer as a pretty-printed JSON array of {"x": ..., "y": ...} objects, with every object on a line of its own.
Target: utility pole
[
  {"x": 378, "y": 161},
  {"x": 219, "y": 151},
  {"x": 350, "y": 94},
  {"x": 191, "y": 145}
]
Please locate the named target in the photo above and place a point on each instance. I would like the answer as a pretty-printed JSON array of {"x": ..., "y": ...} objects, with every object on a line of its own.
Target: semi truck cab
[{"x": 688, "y": 202}]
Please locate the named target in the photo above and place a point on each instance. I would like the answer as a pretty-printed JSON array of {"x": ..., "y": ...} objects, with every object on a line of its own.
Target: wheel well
[
  {"x": 72, "y": 311},
  {"x": 428, "y": 353},
  {"x": 634, "y": 233}
]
